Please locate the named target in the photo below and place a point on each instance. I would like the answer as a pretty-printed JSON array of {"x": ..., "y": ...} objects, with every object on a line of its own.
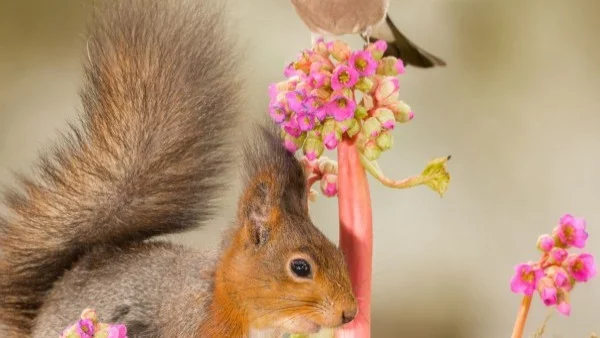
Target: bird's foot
[{"x": 366, "y": 34}]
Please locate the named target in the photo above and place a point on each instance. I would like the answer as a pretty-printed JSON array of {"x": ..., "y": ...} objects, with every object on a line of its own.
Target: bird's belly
[{"x": 339, "y": 17}]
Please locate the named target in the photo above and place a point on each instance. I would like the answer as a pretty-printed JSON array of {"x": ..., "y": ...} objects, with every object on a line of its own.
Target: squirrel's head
[{"x": 282, "y": 271}]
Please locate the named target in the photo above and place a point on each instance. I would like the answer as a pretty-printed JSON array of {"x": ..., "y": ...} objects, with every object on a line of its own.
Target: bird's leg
[{"x": 366, "y": 34}]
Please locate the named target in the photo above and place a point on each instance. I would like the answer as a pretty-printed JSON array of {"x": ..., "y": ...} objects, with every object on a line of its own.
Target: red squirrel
[{"x": 150, "y": 156}]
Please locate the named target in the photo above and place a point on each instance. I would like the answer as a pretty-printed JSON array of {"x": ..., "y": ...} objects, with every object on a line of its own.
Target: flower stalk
[{"x": 356, "y": 233}]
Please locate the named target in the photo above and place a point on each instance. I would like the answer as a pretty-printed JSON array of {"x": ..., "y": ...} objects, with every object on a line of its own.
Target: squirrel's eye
[{"x": 300, "y": 268}]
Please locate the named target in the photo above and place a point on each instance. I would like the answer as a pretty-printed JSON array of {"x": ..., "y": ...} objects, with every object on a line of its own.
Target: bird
[{"x": 370, "y": 19}]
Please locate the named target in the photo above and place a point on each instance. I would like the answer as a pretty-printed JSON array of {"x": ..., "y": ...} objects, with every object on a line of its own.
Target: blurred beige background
[{"x": 517, "y": 107}]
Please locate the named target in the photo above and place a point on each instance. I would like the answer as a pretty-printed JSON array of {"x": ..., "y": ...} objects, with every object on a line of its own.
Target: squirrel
[{"x": 150, "y": 155}]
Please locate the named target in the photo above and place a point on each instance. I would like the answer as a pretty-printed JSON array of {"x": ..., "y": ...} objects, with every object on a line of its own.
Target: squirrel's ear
[{"x": 259, "y": 211}]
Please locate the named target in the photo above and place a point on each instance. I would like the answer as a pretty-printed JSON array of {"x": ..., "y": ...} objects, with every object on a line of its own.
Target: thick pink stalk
[
  {"x": 521, "y": 317},
  {"x": 356, "y": 234}
]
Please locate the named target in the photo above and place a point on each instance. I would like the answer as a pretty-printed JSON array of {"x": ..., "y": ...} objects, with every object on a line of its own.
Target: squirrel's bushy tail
[{"x": 148, "y": 157}]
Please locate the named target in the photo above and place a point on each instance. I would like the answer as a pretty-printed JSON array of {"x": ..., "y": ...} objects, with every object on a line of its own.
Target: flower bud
[
  {"x": 558, "y": 255},
  {"x": 402, "y": 111},
  {"x": 371, "y": 127},
  {"x": 545, "y": 243},
  {"x": 329, "y": 185},
  {"x": 313, "y": 148},
  {"x": 371, "y": 150},
  {"x": 364, "y": 84},
  {"x": 360, "y": 112},
  {"x": 385, "y": 140},
  {"x": 339, "y": 50},
  {"x": 331, "y": 140},
  {"x": 386, "y": 117},
  {"x": 352, "y": 127},
  {"x": 292, "y": 143},
  {"x": 390, "y": 66},
  {"x": 377, "y": 49},
  {"x": 387, "y": 90},
  {"x": 367, "y": 102},
  {"x": 547, "y": 291},
  {"x": 327, "y": 166}
]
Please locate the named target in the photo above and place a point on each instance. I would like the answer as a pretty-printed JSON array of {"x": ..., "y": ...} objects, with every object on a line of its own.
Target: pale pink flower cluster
[
  {"x": 558, "y": 271},
  {"x": 331, "y": 92},
  {"x": 90, "y": 327}
]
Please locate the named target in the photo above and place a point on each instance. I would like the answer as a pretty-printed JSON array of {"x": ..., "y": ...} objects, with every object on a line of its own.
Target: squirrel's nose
[{"x": 348, "y": 315}]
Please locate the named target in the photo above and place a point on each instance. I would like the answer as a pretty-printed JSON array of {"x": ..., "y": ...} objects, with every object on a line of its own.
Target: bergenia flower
[
  {"x": 545, "y": 243},
  {"x": 564, "y": 307},
  {"x": 329, "y": 185},
  {"x": 305, "y": 121},
  {"x": 339, "y": 50},
  {"x": 525, "y": 278},
  {"x": 390, "y": 66},
  {"x": 90, "y": 327},
  {"x": 581, "y": 267},
  {"x": 318, "y": 79},
  {"x": 386, "y": 117},
  {"x": 295, "y": 99},
  {"x": 313, "y": 148},
  {"x": 571, "y": 231},
  {"x": 560, "y": 277},
  {"x": 292, "y": 127},
  {"x": 343, "y": 77},
  {"x": 363, "y": 62},
  {"x": 548, "y": 292},
  {"x": 85, "y": 328},
  {"x": 341, "y": 107},
  {"x": 330, "y": 140},
  {"x": 377, "y": 49},
  {"x": 278, "y": 113},
  {"x": 387, "y": 91},
  {"x": 316, "y": 106},
  {"x": 558, "y": 255},
  {"x": 117, "y": 331}
]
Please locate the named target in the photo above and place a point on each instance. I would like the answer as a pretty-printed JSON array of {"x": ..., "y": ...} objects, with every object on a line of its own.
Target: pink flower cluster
[
  {"x": 89, "y": 327},
  {"x": 331, "y": 92},
  {"x": 557, "y": 272}
]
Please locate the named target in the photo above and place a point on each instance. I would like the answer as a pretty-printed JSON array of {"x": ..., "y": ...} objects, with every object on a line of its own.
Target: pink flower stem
[
  {"x": 521, "y": 317},
  {"x": 356, "y": 234}
]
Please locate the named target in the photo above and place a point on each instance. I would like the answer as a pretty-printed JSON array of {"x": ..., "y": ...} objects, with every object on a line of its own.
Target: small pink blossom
[
  {"x": 560, "y": 277},
  {"x": 317, "y": 80},
  {"x": 291, "y": 127},
  {"x": 117, "y": 331},
  {"x": 85, "y": 328},
  {"x": 363, "y": 63},
  {"x": 563, "y": 303},
  {"x": 341, "y": 107},
  {"x": 380, "y": 45},
  {"x": 316, "y": 106},
  {"x": 295, "y": 99},
  {"x": 558, "y": 255},
  {"x": 343, "y": 77},
  {"x": 525, "y": 279},
  {"x": 547, "y": 291},
  {"x": 400, "y": 66},
  {"x": 545, "y": 243},
  {"x": 305, "y": 121},
  {"x": 330, "y": 140},
  {"x": 329, "y": 185},
  {"x": 387, "y": 91},
  {"x": 339, "y": 50},
  {"x": 571, "y": 231},
  {"x": 581, "y": 267},
  {"x": 278, "y": 113}
]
